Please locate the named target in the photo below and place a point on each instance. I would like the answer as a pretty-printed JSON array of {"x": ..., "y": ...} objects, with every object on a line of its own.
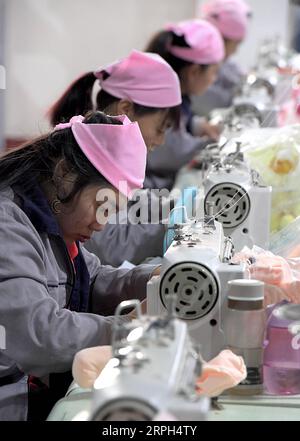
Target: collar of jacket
[{"x": 36, "y": 207}]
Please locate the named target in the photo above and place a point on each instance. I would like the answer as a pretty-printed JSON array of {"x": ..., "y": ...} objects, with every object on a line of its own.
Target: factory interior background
[{"x": 180, "y": 302}]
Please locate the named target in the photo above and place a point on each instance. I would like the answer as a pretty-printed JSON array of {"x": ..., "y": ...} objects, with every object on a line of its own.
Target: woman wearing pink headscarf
[
  {"x": 55, "y": 297},
  {"x": 231, "y": 18},
  {"x": 194, "y": 49},
  {"x": 141, "y": 85},
  {"x": 144, "y": 87}
]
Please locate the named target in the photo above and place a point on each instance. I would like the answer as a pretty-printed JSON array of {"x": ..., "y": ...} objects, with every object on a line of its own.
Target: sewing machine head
[
  {"x": 240, "y": 201},
  {"x": 153, "y": 371},
  {"x": 255, "y": 99},
  {"x": 196, "y": 268}
]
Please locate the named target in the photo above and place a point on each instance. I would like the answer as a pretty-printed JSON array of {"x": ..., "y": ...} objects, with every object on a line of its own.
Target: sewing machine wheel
[
  {"x": 247, "y": 110},
  {"x": 196, "y": 288},
  {"x": 262, "y": 83},
  {"x": 234, "y": 213},
  {"x": 125, "y": 410}
]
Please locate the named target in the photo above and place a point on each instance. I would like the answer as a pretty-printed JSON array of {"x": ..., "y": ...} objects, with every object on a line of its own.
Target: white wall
[
  {"x": 270, "y": 17},
  {"x": 51, "y": 42}
]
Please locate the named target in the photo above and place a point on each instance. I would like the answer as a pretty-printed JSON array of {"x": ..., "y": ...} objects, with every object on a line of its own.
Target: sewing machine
[
  {"x": 196, "y": 268},
  {"x": 153, "y": 370},
  {"x": 239, "y": 200},
  {"x": 80, "y": 404},
  {"x": 151, "y": 376},
  {"x": 257, "y": 96}
]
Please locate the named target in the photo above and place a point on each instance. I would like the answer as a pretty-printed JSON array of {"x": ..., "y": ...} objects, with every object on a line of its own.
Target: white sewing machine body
[
  {"x": 153, "y": 372},
  {"x": 239, "y": 201},
  {"x": 258, "y": 102},
  {"x": 196, "y": 268}
]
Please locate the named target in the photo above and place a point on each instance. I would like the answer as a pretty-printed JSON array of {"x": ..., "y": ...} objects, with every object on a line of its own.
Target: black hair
[
  {"x": 77, "y": 100},
  {"x": 160, "y": 45},
  {"x": 35, "y": 161}
]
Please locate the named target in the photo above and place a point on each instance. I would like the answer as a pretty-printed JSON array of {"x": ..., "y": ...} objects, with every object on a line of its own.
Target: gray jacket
[
  {"x": 36, "y": 278},
  {"x": 165, "y": 161},
  {"x": 221, "y": 93}
]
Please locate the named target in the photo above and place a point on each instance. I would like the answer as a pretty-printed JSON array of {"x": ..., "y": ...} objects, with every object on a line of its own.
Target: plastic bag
[
  {"x": 277, "y": 160},
  {"x": 286, "y": 242}
]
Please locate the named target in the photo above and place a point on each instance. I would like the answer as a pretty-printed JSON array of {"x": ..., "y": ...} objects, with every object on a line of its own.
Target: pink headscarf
[
  {"x": 143, "y": 78},
  {"x": 118, "y": 152},
  {"x": 206, "y": 45},
  {"x": 229, "y": 16}
]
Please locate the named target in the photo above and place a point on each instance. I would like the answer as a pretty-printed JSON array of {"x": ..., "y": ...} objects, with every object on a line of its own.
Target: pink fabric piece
[
  {"x": 205, "y": 41},
  {"x": 118, "y": 152},
  {"x": 143, "y": 78},
  {"x": 223, "y": 372},
  {"x": 231, "y": 17}
]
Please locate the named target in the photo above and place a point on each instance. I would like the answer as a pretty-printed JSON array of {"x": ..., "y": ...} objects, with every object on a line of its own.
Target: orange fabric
[{"x": 223, "y": 372}]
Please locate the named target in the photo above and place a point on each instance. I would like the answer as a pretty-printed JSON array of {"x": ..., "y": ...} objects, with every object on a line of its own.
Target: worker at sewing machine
[
  {"x": 231, "y": 18},
  {"x": 142, "y": 86},
  {"x": 127, "y": 86},
  {"x": 194, "y": 49},
  {"x": 146, "y": 89},
  {"x": 56, "y": 297}
]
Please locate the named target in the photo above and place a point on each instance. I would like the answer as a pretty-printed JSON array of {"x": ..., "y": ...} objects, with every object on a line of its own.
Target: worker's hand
[
  {"x": 210, "y": 130},
  {"x": 88, "y": 364},
  {"x": 265, "y": 266},
  {"x": 280, "y": 276},
  {"x": 156, "y": 272}
]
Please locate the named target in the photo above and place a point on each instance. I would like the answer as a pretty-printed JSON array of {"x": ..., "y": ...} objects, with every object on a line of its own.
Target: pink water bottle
[{"x": 281, "y": 358}]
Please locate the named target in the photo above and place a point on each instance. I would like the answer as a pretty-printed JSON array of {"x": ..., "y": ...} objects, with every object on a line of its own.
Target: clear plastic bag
[
  {"x": 286, "y": 242},
  {"x": 277, "y": 160}
]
